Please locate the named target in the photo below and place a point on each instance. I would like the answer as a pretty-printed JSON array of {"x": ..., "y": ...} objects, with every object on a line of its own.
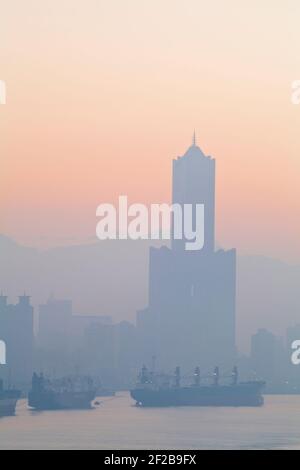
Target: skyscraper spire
[{"x": 194, "y": 139}]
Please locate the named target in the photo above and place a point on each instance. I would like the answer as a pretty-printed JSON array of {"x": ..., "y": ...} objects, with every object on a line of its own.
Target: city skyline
[
  {"x": 193, "y": 182},
  {"x": 97, "y": 345},
  {"x": 149, "y": 227}
]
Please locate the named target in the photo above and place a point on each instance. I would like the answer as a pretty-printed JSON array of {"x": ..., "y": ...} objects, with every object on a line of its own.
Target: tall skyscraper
[
  {"x": 194, "y": 183},
  {"x": 190, "y": 319}
]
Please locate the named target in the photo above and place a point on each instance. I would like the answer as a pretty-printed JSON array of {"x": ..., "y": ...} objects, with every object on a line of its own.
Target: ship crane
[
  {"x": 177, "y": 376},
  {"x": 216, "y": 376},
  {"x": 234, "y": 376},
  {"x": 197, "y": 376},
  {"x": 144, "y": 376}
]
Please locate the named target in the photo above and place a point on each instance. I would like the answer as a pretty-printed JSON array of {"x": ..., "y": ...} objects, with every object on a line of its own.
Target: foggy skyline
[{"x": 149, "y": 227}]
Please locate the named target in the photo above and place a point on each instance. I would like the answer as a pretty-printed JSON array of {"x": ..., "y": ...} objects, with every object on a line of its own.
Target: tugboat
[
  {"x": 8, "y": 400},
  {"x": 149, "y": 392},
  {"x": 67, "y": 393}
]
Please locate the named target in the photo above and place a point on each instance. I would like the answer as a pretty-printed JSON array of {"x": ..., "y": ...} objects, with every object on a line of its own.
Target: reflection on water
[{"x": 117, "y": 424}]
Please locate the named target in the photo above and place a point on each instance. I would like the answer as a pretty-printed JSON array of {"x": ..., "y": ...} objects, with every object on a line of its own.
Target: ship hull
[
  {"x": 61, "y": 401},
  {"x": 248, "y": 394},
  {"x": 8, "y": 406}
]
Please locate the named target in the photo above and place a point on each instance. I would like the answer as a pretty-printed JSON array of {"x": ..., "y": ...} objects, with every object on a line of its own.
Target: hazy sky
[{"x": 103, "y": 94}]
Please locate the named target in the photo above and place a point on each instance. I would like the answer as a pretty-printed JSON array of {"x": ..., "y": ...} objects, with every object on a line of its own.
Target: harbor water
[{"x": 118, "y": 424}]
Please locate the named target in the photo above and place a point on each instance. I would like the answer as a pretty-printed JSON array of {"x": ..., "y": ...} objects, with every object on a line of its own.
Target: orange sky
[{"x": 103, "y": 94}]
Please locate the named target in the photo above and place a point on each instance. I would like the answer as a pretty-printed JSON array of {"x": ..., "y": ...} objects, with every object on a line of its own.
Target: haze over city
[{"x": 111, "y": 103}]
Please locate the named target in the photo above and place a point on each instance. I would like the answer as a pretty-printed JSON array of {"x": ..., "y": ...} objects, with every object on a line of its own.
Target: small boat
[{"x": 67, "y": 393}]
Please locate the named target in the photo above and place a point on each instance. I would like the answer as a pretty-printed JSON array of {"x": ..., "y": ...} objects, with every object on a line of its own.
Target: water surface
[{"x": 118, "y": 424}]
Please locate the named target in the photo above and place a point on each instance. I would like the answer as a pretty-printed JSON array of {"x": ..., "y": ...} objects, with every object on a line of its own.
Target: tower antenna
[{"x": 194, "y": 139}]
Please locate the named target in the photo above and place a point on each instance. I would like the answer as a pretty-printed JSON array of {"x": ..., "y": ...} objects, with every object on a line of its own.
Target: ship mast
[
  {"x": 197, "y": 376},
  {"x": 216, "y": 376},
  {"x": 235, "y": 375},
  {"x": 177, "y": 376}
]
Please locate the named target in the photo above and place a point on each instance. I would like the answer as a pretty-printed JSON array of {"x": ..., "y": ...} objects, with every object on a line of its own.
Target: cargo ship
[
  {"x": 149, "y": 392},
  {"x": 61, "y": 394},
  {"x": 8, "y": 400}
]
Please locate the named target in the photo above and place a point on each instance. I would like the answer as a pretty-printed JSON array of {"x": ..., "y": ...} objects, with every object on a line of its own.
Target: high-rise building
[
  {"x": 54, "y": 324},
  {"x": 190, "y": 319},
  {"x": 16, "y": 327},
  {"x": 62, "y": 337},
  {"x": 268, "y": 358}
]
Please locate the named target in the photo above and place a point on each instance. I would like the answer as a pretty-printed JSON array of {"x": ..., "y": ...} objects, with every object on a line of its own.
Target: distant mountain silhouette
[{"x": 111, "y": 278}]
